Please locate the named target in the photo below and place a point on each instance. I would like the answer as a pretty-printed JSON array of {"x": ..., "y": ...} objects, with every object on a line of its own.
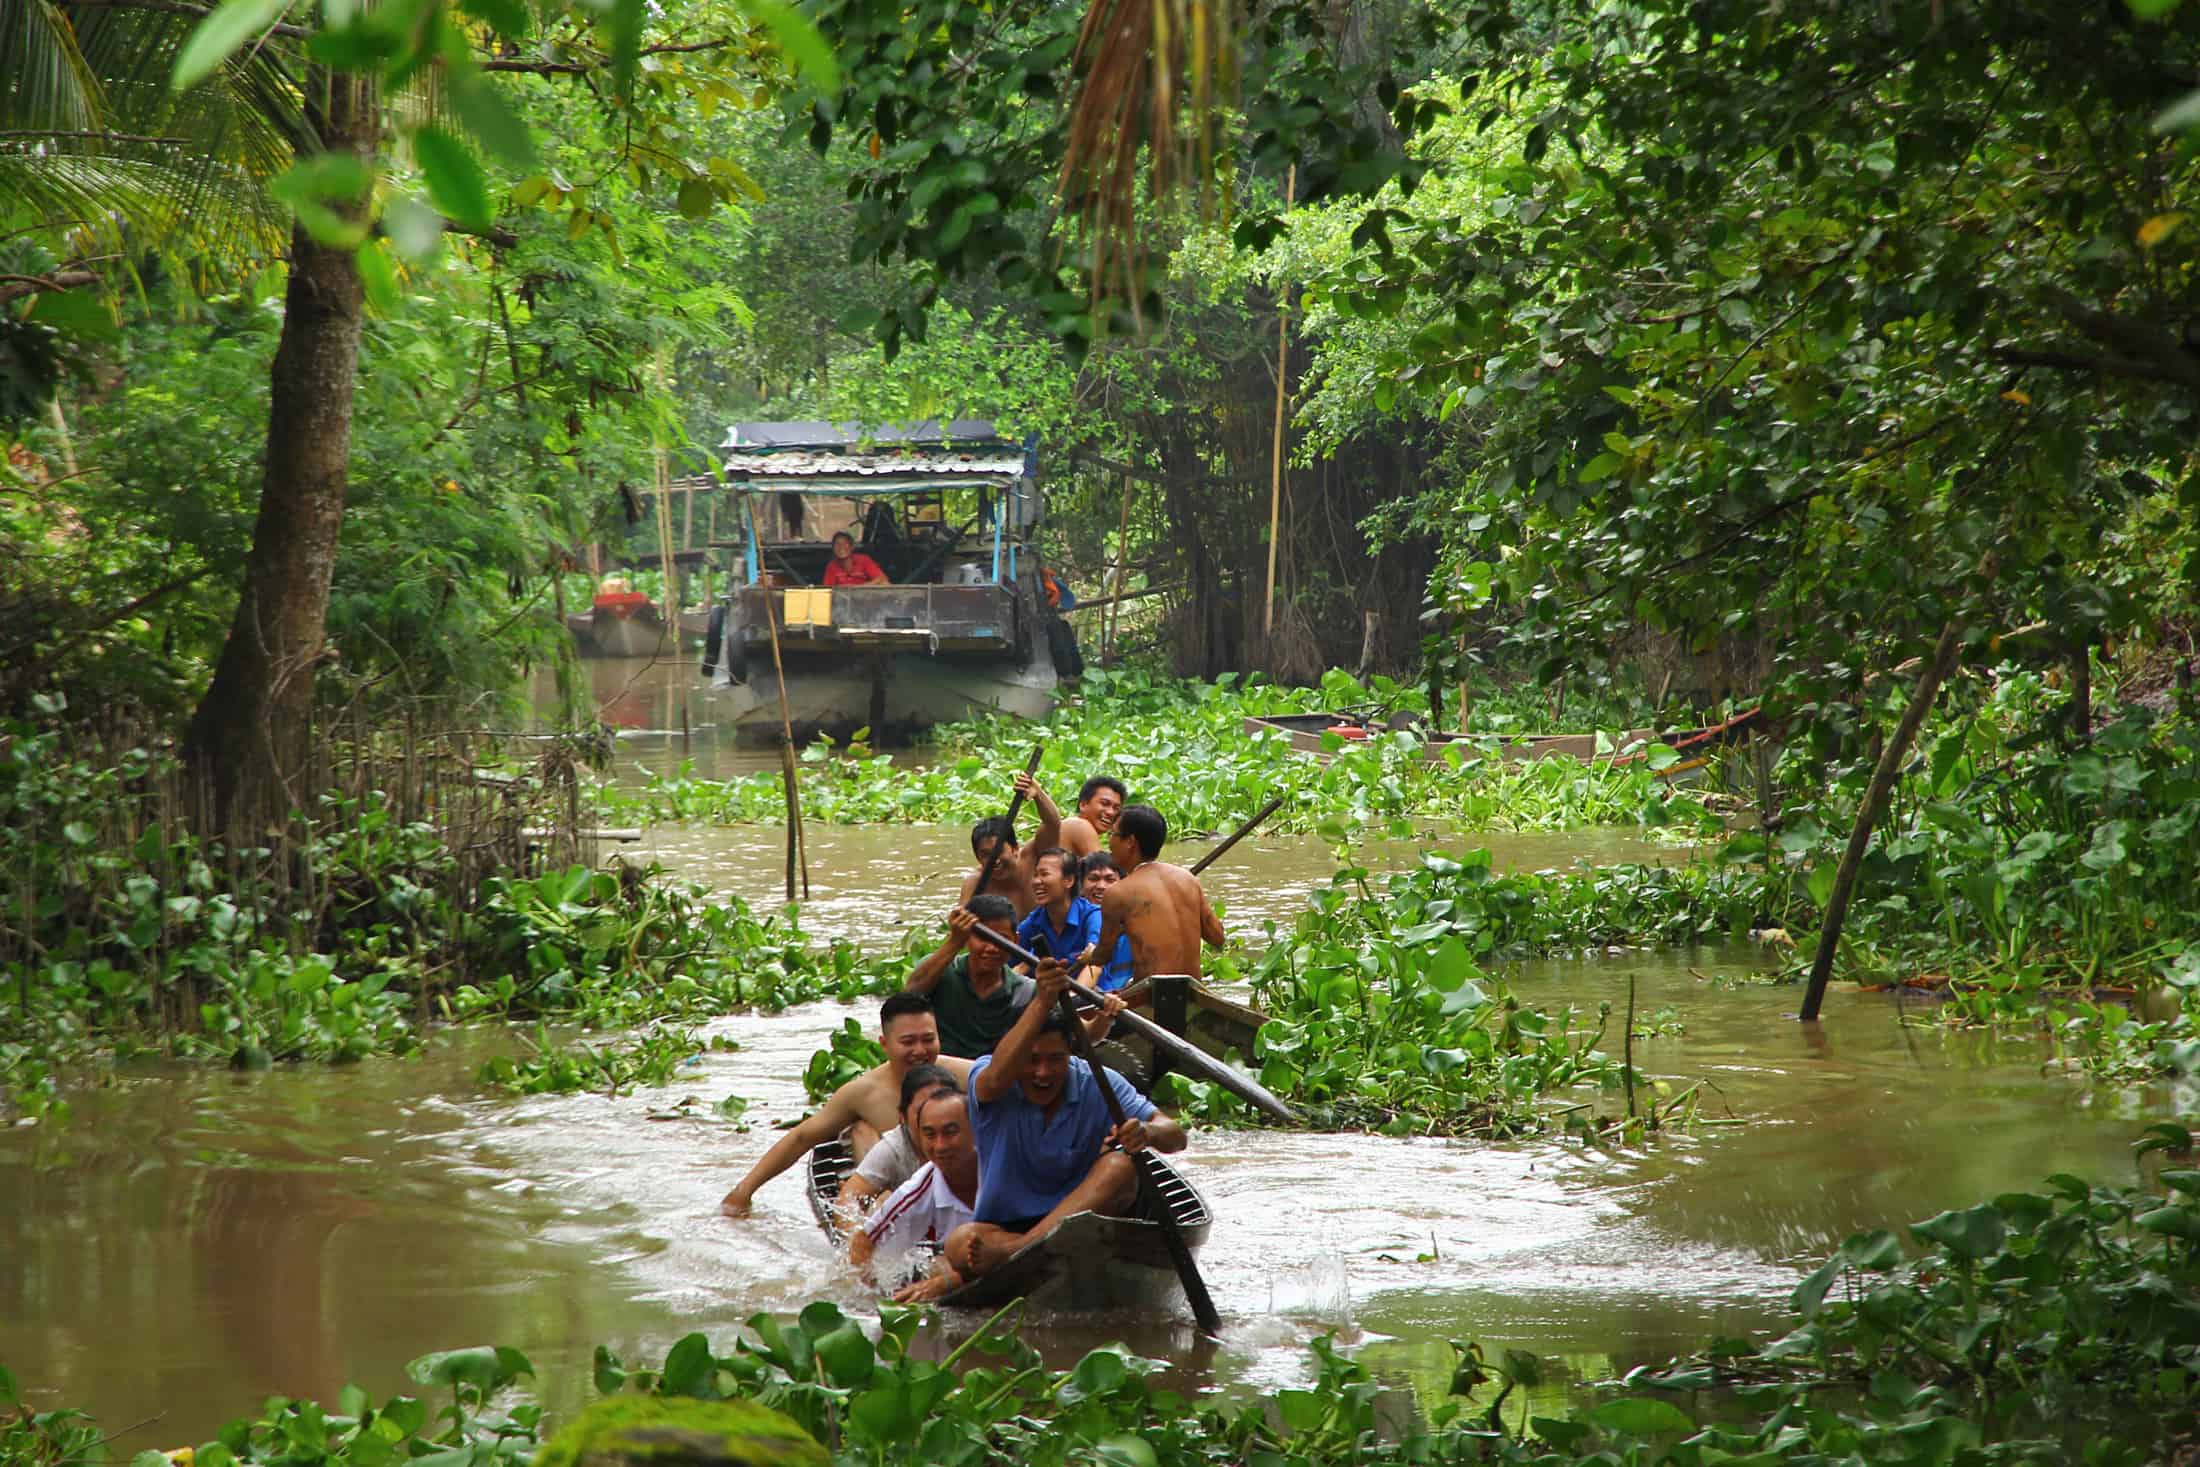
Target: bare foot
[{"x": 989, "y": 1250}]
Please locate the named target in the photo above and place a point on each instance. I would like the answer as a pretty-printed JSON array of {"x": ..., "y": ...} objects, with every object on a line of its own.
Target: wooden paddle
[
  {"x": 1237, "y": 835},
  {"x": 1015, "y": 808},
  {"x": 1184, "y": 1055},
  {"x": 1149, "y": 1185}
]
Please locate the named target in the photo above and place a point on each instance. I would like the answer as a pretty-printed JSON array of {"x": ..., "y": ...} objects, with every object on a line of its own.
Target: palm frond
[{"x": 45, "y": 81}]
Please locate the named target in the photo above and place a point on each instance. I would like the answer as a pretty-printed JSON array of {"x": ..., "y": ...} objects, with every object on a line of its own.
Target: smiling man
[
  {"x": 1099, "y": 800},
  {"x": 1046, "y": 1150},
  {"x": 866, "y": 1107},
  {"x": 928, "y": 1207}
]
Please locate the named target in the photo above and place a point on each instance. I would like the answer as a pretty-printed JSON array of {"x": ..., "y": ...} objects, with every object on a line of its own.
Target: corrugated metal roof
[
  {"x": 814, "y": 434},
  {"x": 789, "y": 463}
]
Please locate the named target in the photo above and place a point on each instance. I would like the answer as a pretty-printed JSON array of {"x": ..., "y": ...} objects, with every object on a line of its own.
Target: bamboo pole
[
  {"x": 1275, "y": 451},
  {"x": 1122, "y": 560},
  {"x": 795, "y": 852},
  {"x": 1891, "y": 754}
]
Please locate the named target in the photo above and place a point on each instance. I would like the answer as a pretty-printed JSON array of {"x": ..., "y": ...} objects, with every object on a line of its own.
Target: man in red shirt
[{"x": 851, "y": 567}]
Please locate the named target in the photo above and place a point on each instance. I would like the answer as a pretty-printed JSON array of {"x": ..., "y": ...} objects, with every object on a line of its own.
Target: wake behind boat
[{"x": 1091, "y": 1262}]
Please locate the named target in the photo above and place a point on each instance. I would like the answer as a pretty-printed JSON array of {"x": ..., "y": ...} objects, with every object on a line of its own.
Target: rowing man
[
  {"x": 1159, "y": 907},
  {"x": 1001, "y": 863},
  {"x": 1041, "y": 1127}
]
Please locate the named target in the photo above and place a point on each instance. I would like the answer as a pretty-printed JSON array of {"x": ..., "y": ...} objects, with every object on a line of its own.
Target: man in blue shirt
[
  {"x": 1064, "y": 924},
  {"x": 1041, "y": 1128}
]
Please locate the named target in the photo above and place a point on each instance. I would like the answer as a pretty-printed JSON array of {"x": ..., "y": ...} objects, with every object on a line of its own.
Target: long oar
[
  {"x": 1183, "y": 1054},
  {"x": 1237, "y": 835},
  {"x": 1149, "y": 1185},
  {"x": 1015, "y": 808}
]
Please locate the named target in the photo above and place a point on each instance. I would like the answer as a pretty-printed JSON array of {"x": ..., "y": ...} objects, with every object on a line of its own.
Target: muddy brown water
[{"x": 191, "y": 1241}]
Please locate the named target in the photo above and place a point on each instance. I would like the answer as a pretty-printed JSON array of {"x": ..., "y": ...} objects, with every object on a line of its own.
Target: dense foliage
[{"x": 143, "y": 938}]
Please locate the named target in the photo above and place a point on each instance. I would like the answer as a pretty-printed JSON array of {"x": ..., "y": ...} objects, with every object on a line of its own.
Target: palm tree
[{"x": 102, "y": 164}]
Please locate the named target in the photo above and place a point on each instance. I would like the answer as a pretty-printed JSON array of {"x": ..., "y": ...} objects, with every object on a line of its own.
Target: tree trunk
[
  {"x": 251, "y": 739},
  {"x": 1891, "y": 755}
]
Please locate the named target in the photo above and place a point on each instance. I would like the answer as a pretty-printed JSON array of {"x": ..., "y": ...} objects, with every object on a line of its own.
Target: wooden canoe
[
  {"x": 1218, "y": 1024},
  {"x": 1305, "y": 731},
  {"x": 1091, "y": 1262}
]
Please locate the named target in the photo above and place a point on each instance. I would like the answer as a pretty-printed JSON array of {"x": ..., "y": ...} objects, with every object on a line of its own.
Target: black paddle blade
[
  {"x": 1188, "y": 1058},
  {"x": 1180, "y": 1252}
]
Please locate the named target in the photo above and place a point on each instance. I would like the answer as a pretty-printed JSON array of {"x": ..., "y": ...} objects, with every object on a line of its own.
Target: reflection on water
[{"x": 193, "y": 1240}]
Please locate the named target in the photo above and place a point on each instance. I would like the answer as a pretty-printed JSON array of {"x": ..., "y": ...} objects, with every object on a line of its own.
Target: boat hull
[
  {"x": 888, "y": 693},
  {"x": 607, "y": 634},
  {"x": 1091, "y": 1262}
]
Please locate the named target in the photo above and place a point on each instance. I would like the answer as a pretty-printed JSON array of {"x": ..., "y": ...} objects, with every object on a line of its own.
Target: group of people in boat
[{"x": 982, "y": 1129}]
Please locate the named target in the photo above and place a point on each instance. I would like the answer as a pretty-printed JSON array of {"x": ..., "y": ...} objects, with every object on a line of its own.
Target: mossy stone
[{"x": 674, "y": 1431}]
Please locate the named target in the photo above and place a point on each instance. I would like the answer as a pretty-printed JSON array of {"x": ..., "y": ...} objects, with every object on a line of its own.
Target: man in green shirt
[{"x": 974, "y": 996}]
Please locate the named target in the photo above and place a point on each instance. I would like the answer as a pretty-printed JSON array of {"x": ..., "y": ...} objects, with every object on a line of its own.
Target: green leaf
[
  {"x": 696, "y": 199},
  {"x": 1970, "y": 1234},
  {"x": 1820, "y": 884},
  {"x": 1641, "y": 1416},
  {"x": 476, "y": 1366},
  {"x": 800, "y": 39},
  {"x": 689, "y": 1366},
  {"x": 312, "y": 185},
  {"x": 454, "y": 177},
  {"x": 507, "y": 18},
  {"x": 79, "y": 313},
  {"x": 2180, "y": 114},
  {"x": 1124, "y": 1450},
  {"x": 378, "y": 273},
  {"x": 220, "y": 36},
  {"x": 480, "y": 104},
  {"x": 2172, "y": 1222},
  {"x": 1661, "y": 757},
  {"x": 2153, "y": 9},
  {"x": 846, "y": 1356},
  {"x": 1301, "y": 1410},
  {"x": 1603, "y": 466},
  {"x": 610, "y": 1372}
]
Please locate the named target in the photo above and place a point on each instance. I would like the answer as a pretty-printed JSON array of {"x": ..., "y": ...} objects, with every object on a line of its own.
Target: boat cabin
[{"x": 947, "y": 512}]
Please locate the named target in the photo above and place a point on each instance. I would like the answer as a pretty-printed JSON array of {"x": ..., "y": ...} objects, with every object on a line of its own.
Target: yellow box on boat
[{"x": 808, "y": 606}]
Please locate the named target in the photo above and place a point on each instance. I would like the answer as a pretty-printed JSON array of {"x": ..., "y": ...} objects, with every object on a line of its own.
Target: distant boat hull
[
  {"x": 635, "y": 632},
  {"x": 1091, "y": 1262},
  {"x": 889, "y": 693}
]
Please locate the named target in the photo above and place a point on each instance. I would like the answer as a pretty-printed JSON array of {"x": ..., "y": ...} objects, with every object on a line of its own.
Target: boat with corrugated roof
[{"x": 960, "y": 625}]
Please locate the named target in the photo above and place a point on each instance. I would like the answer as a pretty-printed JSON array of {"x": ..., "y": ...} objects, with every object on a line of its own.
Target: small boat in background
[
  {"x": 1091, "y": 1262},
  {"x": 1307, "y": 733},
  {"x": 621, "y": 622}
]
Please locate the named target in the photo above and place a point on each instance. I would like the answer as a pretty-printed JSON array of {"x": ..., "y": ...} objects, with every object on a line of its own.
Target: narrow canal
[{"x": 192, "y": 1240}]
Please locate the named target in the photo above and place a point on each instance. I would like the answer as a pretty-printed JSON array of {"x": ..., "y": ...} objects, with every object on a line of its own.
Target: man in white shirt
[
  {"x": 940, "y": 1198},
  {"x": 898, "y": 1154}
]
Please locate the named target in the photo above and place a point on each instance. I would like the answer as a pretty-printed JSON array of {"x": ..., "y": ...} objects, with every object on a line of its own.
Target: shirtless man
[
  {"x": 1012, "y": 873},
  {"x": 1159, "y": 907},
  {"x": 1099, "y": 802},
  {"x": 866, "y": 1107}
]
